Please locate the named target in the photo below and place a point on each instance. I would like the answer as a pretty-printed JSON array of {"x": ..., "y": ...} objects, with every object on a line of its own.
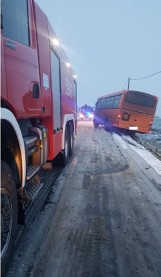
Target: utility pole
[{"x": 128, "y": 83}]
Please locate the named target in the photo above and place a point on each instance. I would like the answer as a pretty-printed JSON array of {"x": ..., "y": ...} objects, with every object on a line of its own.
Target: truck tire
[
  {"x": 9, "y": 214},
  {"x": 71, "y": 140},
  {"x": 66, "y": 147}
]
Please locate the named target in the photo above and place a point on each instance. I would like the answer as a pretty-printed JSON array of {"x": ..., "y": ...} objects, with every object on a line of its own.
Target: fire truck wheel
[
  {"x": 66, "y": 147},
  {"x": 9, "y": 211},
  {"x": 71, "y": 141}
]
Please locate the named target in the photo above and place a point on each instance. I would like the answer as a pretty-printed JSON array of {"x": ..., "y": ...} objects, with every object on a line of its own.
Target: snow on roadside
[
  {"x": 120, "y": 141},
  {"x": 148, "y": 157},
  {"x": 140, "y": 150}
]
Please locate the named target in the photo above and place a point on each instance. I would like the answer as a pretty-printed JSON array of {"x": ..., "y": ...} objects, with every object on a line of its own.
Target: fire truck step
[
  {"x": 30, "y": 141},
  {"x": 32, "y": 170},
  {"x": 32, "y": 190},
  {"x": 30, "y": 145}
]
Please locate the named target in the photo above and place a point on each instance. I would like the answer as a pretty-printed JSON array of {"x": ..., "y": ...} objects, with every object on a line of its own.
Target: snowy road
[{"x": 104, "y": 219}]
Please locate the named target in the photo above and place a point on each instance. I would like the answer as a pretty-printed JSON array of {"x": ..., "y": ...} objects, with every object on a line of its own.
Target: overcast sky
[{"x": 108, "y": 41}]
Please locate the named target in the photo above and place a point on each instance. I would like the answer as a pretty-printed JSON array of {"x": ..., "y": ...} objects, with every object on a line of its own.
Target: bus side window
[
  {"x": 108, "y": 102},
  {"x": 102, "y": 106},
  {"x": 118, "y": 101},
  {"x": 101, "y": 103},
  {"x": 104, "y": 103},
  {"x": 114, "y": 102},
  {"x": 97, "y": 104}
]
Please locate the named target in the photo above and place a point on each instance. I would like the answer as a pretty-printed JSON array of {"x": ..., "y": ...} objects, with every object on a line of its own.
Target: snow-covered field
[
  {"x": 152, "y": 141},
  {"x": 148, "y": 146}
]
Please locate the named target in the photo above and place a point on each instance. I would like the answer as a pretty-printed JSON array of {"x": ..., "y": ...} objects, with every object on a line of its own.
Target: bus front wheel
[
  {"x": 106, "y": 125},
  {"x": 95, "y": 123}
]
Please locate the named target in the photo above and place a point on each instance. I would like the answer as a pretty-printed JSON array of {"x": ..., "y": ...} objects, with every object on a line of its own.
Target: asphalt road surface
[{"x": 103, "y": 219}]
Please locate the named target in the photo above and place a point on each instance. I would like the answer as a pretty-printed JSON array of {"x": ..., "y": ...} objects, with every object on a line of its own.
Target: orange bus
[{"x": 127, "y": 109}]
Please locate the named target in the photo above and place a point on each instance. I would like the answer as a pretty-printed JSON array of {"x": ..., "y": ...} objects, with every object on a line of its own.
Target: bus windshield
[{"x": 138, "y": 98}]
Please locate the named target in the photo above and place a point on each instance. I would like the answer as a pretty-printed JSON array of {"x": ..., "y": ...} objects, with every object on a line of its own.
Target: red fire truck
[
  {"x": 38, "y": 106},
  {"x": 86, "y": 112}
]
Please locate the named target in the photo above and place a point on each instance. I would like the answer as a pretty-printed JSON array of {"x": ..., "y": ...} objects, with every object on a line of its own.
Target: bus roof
[{"x": 122, "y": 92}]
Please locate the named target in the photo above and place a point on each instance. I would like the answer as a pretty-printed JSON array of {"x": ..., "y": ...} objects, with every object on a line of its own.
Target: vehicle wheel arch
[
  {"x": 11, "y": 153},
  {"x": 67, "y": 122},
  {"x": 67, "y": 129},
  {"x": 12, "y": 141}
]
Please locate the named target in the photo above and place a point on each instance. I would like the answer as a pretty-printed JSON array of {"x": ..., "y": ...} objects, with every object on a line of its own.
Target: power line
[
  {"x": 146, "y": 76},
  {"x": 136, "y": 79}
]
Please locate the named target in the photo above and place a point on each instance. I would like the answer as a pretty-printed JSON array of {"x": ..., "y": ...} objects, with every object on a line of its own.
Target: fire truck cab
[
  {"x": 86, "y": 112},
  {"x": 38, "y": 106}
]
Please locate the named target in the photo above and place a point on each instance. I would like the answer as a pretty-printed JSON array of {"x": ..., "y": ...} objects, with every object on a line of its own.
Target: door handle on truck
[{"x": 36, "y": 91}]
